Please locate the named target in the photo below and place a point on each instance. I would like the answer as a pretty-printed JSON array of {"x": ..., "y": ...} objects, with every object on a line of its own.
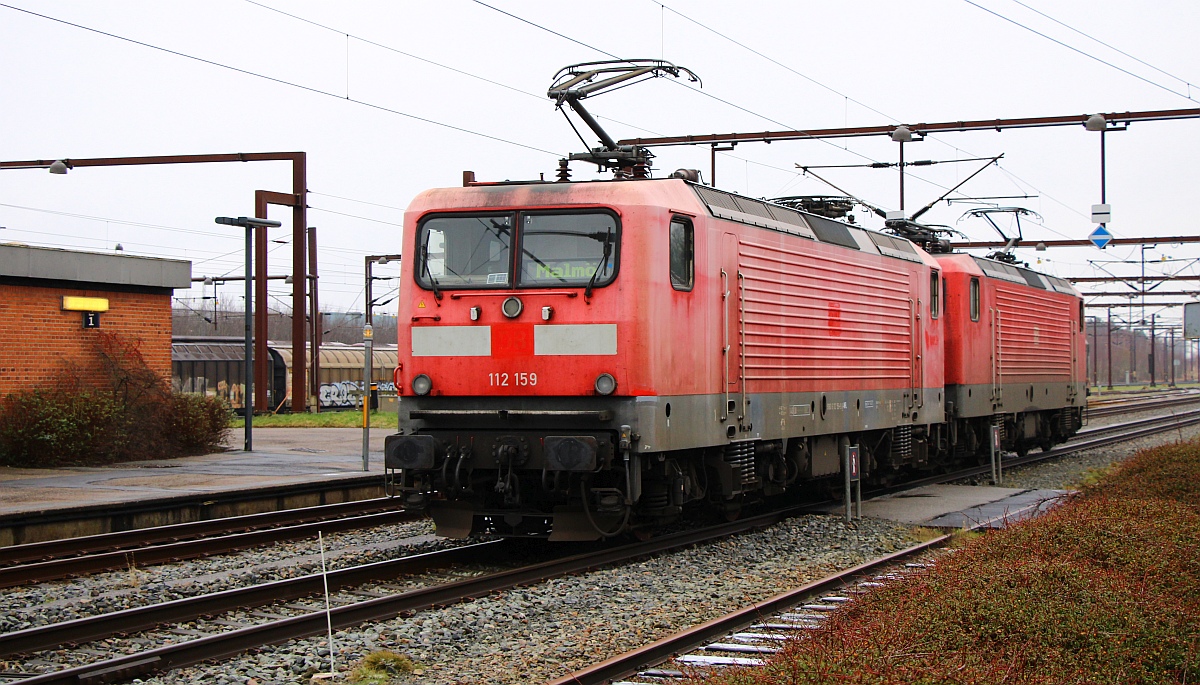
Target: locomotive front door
[{"x": 731, "y": 338}]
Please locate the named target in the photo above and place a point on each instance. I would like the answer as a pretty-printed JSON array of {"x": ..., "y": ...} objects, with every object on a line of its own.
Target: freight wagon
[{"x": 215, "y": 366}]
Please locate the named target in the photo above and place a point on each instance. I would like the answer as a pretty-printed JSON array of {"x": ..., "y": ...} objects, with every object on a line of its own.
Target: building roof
[{"x": 93, "y": 268}]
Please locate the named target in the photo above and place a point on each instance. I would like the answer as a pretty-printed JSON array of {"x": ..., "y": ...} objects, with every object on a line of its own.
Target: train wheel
[{"x": 732, "y": 510}]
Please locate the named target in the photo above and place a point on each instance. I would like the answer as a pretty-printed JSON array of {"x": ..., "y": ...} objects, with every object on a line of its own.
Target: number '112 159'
[{"x": 504, "y": 380}]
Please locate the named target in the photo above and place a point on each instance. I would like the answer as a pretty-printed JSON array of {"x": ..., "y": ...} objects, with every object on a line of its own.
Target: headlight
[
  {"x": 605, "y": 384},
  {"x": 512, "y": 307},
  {"x": 422, "y": 385}
]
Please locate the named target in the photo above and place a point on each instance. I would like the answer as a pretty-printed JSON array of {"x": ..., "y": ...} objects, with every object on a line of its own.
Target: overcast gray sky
[{"x": 390, "y": 98}]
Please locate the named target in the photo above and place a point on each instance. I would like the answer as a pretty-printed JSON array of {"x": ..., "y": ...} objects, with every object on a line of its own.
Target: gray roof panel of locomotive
[
  {"x": 769, "y": 215},
  {"x": 1017, "y": 274}
]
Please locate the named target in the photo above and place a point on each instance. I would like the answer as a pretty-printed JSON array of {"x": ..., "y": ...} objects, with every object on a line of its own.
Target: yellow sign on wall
[{"x": 84, "y": 304}]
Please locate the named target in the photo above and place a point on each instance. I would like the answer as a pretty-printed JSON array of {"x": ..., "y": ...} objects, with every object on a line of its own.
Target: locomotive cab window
[
  {"x": 934, "y": 294},
  {"x": 568, "y": 249},
  {"x": 974, "y": 299},
  {"x": 526, "y": 249},
  {"x": 683, "y": 263},
  {"x": 464, "y": 251}
]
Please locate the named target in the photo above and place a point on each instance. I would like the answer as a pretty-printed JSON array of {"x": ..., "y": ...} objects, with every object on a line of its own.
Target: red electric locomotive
[
  {"x": 585, "y": 358},
  {"x": 589, "y": 358},
  {"x": 1015, "y": 354}
]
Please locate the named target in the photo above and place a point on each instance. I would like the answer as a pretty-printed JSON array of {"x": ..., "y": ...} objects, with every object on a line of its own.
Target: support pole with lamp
[
  {"x": 247, "y": 395},
  {"x": 1095, "y": 353},
  {"x": 1172, "y": 362},
  {"x": 902, "y": 135},
  {"x": 1151, "y": 362},
  {"x": 368, "y": 334},
  {"x": 209, "y": 281},
  {"x": 1109, "y": 340}
]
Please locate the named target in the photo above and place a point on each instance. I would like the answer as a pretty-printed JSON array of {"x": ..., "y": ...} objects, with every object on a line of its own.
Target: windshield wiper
[
  {"x": 587, "y": 292},
  {"x": 437, "y": 294}
]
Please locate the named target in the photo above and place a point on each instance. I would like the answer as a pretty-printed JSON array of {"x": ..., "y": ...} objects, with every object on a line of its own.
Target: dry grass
[
  {"x": 1105, "y": 589},
  {"x": 325, "y": 419}
]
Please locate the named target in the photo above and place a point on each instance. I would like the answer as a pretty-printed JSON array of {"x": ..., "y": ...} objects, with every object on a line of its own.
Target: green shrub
[
  {"x": 199, "y": 423},
  {"x": 130, "y": 415},
  {"x": 56, "y": 425}
]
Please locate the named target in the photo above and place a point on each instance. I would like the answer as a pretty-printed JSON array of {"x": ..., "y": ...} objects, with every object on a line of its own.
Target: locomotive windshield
[{"x": 555, "y": 249}]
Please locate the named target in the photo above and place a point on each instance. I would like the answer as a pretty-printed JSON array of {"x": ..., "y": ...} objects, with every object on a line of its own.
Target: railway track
[
  {"x": 747, "y": 636},
  {"x": 1125, "y": 406},
  {"x": 42, "y": 561},
  {"x": 237, "y": 637},
  {"x": 236, "y": 640},
  {"x": 55, "y": 524},
  {"x": 38, "y": 562},
  {"x": 723, "y": 640}
]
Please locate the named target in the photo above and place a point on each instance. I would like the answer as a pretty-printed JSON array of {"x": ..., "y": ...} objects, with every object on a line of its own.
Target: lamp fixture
[
  {"x": 1096, "y": 122},
  {"x": 58, "y": 167}
]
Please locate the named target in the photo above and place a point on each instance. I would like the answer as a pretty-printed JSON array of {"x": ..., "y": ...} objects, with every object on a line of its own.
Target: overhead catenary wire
[
  {"x": 164, "y": 248},
  {"x": 396, "y": 50},
  {"x": 769, "y": 59},
  {"x": 689, "y": 87},
  {"x": 1082, "y": 52},
  {"x": 124, "y": 222},
  {"x": 540, "y": 97},
  {"x": 352, "y": 199},
  {"x": 999, "y": 167},
  {"x": 1114, "y": 48},
  {"x": 354, "y": 216},
  {"x": 285, "y": 82},
  {"x": 514, "y": 88},
  {"x": 533, "y": 95},
  {"x": 426, "y": 60}
]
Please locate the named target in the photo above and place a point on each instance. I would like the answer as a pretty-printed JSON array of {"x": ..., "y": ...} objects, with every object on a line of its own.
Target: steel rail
[
  {"x": 1115, "y": 397},
  {"x": 176, "y": 532},
  {"x": 1133, "y": 430},
  {"x": 1150, "y": 405},
  {"x": 190, "y": 549},
  {"x": 190, "y": 608},
  {"x": 631, "y": 662},
  {"x": 1136, "y": 424},
  {"x": 236, "y": 641}
]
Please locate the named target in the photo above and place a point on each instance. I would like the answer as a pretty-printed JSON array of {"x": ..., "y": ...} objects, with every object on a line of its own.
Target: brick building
[{"x": 54, "y": 303}]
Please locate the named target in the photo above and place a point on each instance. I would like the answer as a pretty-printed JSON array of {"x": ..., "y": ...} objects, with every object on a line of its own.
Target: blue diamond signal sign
[{"x": 1100, "y": 237}]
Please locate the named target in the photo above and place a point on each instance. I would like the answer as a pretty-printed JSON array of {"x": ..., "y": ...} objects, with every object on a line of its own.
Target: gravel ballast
[
  {"x": 545, "y": 631},
  {"x": 535, "y": 633}
]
